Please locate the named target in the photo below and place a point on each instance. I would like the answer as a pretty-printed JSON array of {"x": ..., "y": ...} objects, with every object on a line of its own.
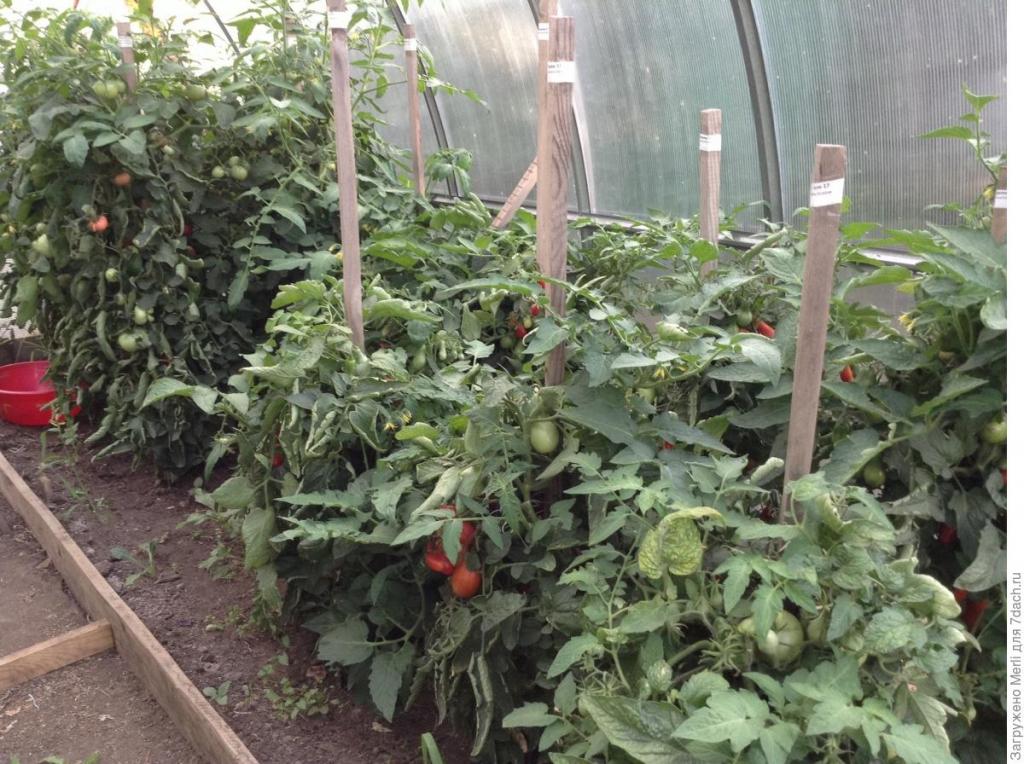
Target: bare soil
[
  {"x": 202, "y": 620},
  {"x": 95, "y": 706}
]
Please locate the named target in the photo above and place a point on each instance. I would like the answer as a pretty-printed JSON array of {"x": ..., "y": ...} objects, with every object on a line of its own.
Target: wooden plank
[
  {"x": 710, "y": 172},
  {"x": 341, "y": 94},
  {"x": 999, "y": 210},
  {"x": 44, "y": 657},
  {"x": 124, "y": 42},
  {"x": 555, "y": 166},
  {"x": 412, "y": 77},
  {"x": 517, "y": 197},
  {"x": 827, "y": 181},
  {"x": 528, "y": 182},
  {"x": 208, "y": 733}
]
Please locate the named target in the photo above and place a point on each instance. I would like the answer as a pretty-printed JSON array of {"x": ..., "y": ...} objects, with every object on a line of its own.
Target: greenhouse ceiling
[{"x": 786, "y": 74}]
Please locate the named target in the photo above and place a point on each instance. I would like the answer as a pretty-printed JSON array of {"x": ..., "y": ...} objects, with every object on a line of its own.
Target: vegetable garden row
[{"x": 602, "y": 567}]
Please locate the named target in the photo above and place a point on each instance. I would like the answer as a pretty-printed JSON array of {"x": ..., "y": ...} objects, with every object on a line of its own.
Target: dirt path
[
  {"x": 202, "y": 617},
  {"x": 96, "y": 706}
]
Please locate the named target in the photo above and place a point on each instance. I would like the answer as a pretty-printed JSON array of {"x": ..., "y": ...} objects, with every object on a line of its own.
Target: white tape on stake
[
  {"x": 544, "y": 31},
  {"x": 827, "y": 192},
  {"x": 711, "y": 142},
  {"x": 999, "y": 202},
  {"x": 125, "y": 41},
  {"x": 561, "y": 71},
  {"x": 411, "y": 44},
  {"x": 339, "y": 19}
]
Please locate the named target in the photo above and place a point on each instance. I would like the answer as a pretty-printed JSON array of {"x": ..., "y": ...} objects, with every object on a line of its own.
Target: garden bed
[{"x": 202, "y": 620}]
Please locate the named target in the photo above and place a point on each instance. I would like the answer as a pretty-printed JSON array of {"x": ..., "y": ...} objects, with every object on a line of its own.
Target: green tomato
[
  {"x": 238, "y": 172},
  {"x": 784, "y": 641},
  {"x": 995, "y": 432},
  {"x": 507, "y": 342},
  {"x": 119, "y": 299},
  {"x": 168, "y": 151},
  {"x": 873, "y": 475},
  {"x": 129, "y": 343},
  {"x": 41, "y": 246},
  {"x": 659, "y": 675},
  {"x": 744, "y": 318},
  {"x": 671, "y": 332},
  {"x": 458, "y": 424},
  {"x": 193, "y": 311},
  {"x": 544, "y": 437},
  {"x": 218, "y": 172},
  {"x": 649, "y": 394},
  {"x": 232, "y": 161},
  {"x": 112, "y": 275},
  {"x": 817, "y": 629},
  {"x": 181, "y": 270},
  {"x": 140, "y": 317},
  {"x": 195, "y": 92},
  {"x": 419, "y": 360}
]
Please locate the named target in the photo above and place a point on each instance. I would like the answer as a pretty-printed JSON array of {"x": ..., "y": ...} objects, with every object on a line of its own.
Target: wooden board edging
[
  {"x": 191, "y": 713},
  {"x": 52, "y": 654}
]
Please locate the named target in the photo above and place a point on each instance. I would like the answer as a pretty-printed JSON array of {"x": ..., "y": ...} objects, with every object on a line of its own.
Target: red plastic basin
[{"x": 25, "y": 395}]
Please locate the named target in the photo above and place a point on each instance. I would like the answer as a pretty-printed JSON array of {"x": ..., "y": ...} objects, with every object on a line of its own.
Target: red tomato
[
  {"x": 847, "y": 375},
  {"x": 960, "y": 595},
  {"x": 435, "y": 558},
  {"x": 542, "y": 284},
  {"x": 765, "y": 329},
  {"x": 520, "y": 331},
  {"x": 947, "y": 534},
  {"x": 1003, "y": 473},
  {"x": 973, "y": 612},
  {"x": 535, "y": 310},
  {"x": 465, "y": 582},
  {"x": 666, "y": 446},
  {"x": 186, "y": 231}
]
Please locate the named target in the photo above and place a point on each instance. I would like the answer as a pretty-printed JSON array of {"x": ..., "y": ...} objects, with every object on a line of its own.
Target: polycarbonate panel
[
  {"x": 646, "y": 70},
  {"x": 394, "y": 110},
  {"x": 874, "y": 75},
  {"x": 489, "y": 47}
]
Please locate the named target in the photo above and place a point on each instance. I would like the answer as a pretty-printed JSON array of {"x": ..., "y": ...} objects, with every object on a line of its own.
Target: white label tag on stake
[
  {"x": 125, "y": 41},
  {"x": 999, "y": 202},
  {"x": 339, "y": 19},
  {"x": 411, "y": 44},
  {"x": 561, "y": 71},
  {"x": 827, "y": 192},
  {"x": 544, "y": 31},
  {"x": 711, "y": 142}
]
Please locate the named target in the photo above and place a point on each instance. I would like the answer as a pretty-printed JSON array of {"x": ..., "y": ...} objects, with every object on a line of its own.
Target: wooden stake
[
  {"x": 412, "y": 76},
  {"x": 341, "y": 92},
  {"x": 827, "y": 180},
  {"x": 555, "y": 165},
  {"x": 195, "y": 718},
  {"x": 999, "y": 210},
  {"x": 710, "y": 178},
  {"x": 44, "y": 657},
  {"x": 527, "y": 183},
  {"x": 124, "y": 41}
]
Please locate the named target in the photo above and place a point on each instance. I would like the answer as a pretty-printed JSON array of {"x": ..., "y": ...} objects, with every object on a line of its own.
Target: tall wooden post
[
  {"x": 341, "y": 91},
  {"x": 412, "y": 76},
  {"x": 555, "y": 165},
  {"x": 529, "y": 180},
  {"x": 710, "y": 178},
  {"x": 124, "y": 42},
  {"x": 827, "y": 181},
  {"x": 999, "y": 210}
]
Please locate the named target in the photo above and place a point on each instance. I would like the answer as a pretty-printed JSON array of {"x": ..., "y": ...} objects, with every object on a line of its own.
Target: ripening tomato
[
  {"x": 122, "y": 180},
  {"x": 99, "y": 225},
  {"x": 465, "y": 582},
  {"x": 847, "y": 374}
]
